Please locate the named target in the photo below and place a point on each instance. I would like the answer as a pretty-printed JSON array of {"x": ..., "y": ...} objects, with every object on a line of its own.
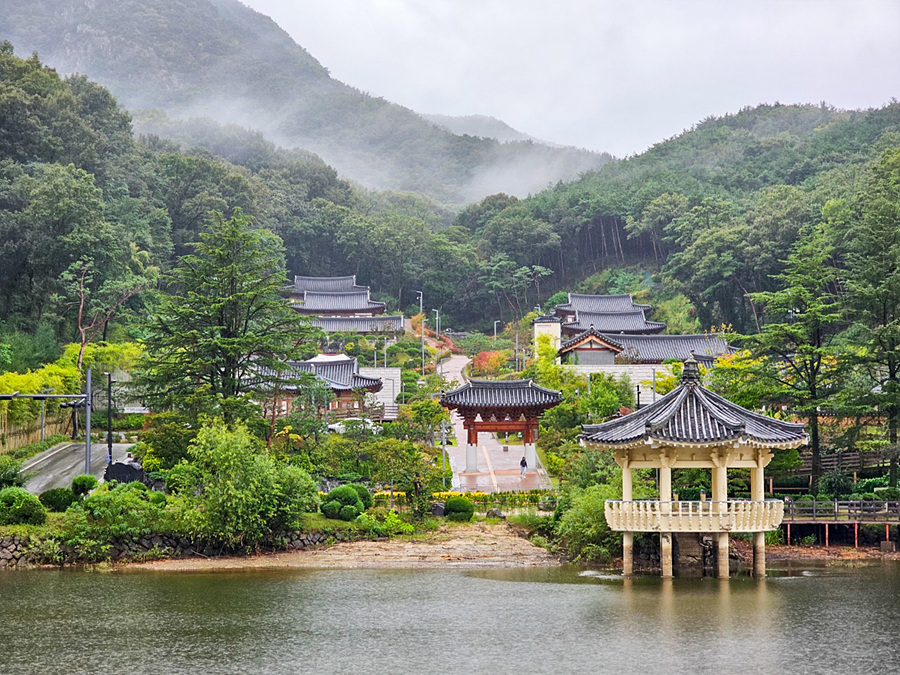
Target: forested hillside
[
  {"x": 715, "y": 209},
  {"x": 221, "y": 60}
]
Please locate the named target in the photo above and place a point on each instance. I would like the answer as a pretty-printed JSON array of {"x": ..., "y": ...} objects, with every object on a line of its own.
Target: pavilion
[
  {"x": 692, "y": 427},
  {"x": 500, "y": 406}
]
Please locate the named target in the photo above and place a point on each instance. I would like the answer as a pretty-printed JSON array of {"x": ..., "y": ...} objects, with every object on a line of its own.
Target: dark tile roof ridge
[{"x": 589, "y": 332}]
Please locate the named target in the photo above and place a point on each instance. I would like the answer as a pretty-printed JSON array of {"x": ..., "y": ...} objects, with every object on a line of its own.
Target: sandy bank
[{"x": 469, "y": 545}]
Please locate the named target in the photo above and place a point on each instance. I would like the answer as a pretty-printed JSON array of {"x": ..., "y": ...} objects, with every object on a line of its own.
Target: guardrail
[
  {"x": 847, "y": 511},
  {"x": 648, "y": 515}
]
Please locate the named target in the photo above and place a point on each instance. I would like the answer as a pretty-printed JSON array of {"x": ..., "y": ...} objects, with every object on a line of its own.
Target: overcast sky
[{"x": 610, "y": 75}]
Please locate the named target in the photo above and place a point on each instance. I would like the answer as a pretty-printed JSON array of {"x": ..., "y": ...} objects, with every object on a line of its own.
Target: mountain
[
  {"x": 482, "y": 126},
  {"x": 221, "y": 60}
]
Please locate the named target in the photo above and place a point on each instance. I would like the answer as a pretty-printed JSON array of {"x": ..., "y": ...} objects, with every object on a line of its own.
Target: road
[
  {"x": 498, "y": 469},
  {"x": 60, "y": 464}
]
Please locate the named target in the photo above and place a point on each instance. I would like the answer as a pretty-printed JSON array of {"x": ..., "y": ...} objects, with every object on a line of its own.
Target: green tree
[
  {"x": 228, "y": 332},
  {"x": 796, "y": 348},
  {"x": 873, "y": 284}
]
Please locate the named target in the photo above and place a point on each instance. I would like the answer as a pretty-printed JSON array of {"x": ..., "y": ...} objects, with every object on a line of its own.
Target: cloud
[{"x": 609, "y": 75}]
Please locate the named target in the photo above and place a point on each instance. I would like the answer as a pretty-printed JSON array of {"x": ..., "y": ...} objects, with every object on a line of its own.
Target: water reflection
[{"x": 401, "y": 621}]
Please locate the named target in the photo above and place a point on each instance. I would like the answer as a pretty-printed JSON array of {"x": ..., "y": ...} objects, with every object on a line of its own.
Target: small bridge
[{"x": 841, "y": 513}]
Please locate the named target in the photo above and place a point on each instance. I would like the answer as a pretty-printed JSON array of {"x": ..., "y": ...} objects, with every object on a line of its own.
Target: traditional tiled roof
[
  {"x": 590, "y": 333},
  {"x": 599, "y": 304},
  {"x": 325, "y": 284},
  {"x": 658, "y": 348},
  {"x": 614, "y": 322},
  {"x": 350, "y": 301},
  {"x": 340, "y": 372},
  {"x": 501, "y": 394},
  {"x": 360, "y": 324},
  {"x": 693, "y": 415},
  {"x": 545, "y": 318}
]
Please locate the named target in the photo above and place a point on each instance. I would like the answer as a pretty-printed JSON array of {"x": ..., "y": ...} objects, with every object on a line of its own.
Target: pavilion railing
[
  {"x": 850, "y": 511},
  {"x": 651, "y": 515}
]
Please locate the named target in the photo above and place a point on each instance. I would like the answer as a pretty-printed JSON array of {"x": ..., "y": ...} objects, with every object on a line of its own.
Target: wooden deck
[{"x": 842, "y": 512}]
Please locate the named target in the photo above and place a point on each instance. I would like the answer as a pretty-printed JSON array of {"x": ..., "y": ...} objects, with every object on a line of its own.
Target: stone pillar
[
  {"x": 757, "y": 494},
  {"x": 627, "y": 554},
  {"x": 720, "y": 481},
  {"x": 665, "y": 554},
  {"x": 759, "y": 554},
  {"x": 627, "y": 537},
  {"x": 471, "y": 458},
  {"x": 531, "y": 456},
  {"x": 665, "y": 508},
  {"x": 722, "y": 558}
]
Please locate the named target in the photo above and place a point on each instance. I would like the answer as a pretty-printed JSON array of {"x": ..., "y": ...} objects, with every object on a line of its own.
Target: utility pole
[
  {"x": 422, "y": 314},
  {"x": 109, "y": 442},
  {"x": 87, "y": 422},
  {"x": 44, "y": 410},
  {"x": 444, "y": 426},
  {"x": 437, "y": 330}
]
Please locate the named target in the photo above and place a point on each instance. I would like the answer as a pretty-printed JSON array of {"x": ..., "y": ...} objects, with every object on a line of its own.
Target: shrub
[
  {"x": 115, "y": 511},
  {"x": 364, "y": 495},
  {"x": 83, "y": 484},
  {"x": 459, "y": 508},
  {"x": 346, "y": 495},
  {"x": 10, "y": 472},
  {"x": 836, "y": 483},
  {"x": 296, "y": 494},
  {"x": 20, "y": 507},
  {"x": 57, "y": 499},
  {"x": 348, "y": 513},
  {"x": 583, "y": 525},
  {"x": 331, "y": 509}
]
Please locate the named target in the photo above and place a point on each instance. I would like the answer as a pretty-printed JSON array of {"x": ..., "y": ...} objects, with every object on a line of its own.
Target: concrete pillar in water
[
  {"x": 471, "y": 458},
  {"x": 665, "y": 554},
  {"x": 722, "y": 567},
  {"x": 627, "y": 554},
  {"x": 757, "y": 494},
  {"x": 759, "y": 554}
]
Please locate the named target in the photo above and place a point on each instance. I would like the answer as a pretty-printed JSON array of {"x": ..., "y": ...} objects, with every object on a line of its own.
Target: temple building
[
  {"x": 500, "y": 406},
  {"x": 610, "y": 334},
  {"x": 608, "y": 313},
  {"x": 340, "y": 305},
  {"x": 694, "y": 428},
  {"x": 341, "y": 373}
]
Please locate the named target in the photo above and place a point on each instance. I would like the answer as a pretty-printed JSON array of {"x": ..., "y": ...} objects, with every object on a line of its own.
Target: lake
[{"x": 557, "y": 620}]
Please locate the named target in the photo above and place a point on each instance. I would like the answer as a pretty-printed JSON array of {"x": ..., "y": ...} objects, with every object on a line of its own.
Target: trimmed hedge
[
  {"x": 83, "y": 484},
  {"x": 58, "y": 499},
  {"x": 20, "y": 507},
  {"x": 459, "y": 508}
]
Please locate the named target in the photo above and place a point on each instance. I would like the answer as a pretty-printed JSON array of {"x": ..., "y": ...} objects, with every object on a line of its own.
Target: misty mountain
[
  {"x": 221, "y": 60},
  {"x": 482, "y": 126}
]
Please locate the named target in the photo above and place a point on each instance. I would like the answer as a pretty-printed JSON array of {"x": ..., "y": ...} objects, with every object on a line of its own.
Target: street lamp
[
  {"x": 495, "y": 329},
  {"x": 422, "y": 314},
  {"x": 445, "y": 427},
  {"x": 109, "y": 384},
  {"x": 437, "y": 329}
]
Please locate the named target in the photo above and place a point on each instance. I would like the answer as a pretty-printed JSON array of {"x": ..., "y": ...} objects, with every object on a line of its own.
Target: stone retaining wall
[{"x": 19, "y": 552}]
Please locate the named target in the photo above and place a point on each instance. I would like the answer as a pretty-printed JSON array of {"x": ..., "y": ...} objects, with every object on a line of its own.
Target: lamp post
[
  {"x": 444, "y": 427},
  {"x": 109, "y": 442},
  {"x": 422, "y": 314},
  {"x": 437, "y": 329},
  {"x": 495, "y": 328}
]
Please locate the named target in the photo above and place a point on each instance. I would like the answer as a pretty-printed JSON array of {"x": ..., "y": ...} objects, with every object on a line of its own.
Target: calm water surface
[{"x": 402, "y": 621}]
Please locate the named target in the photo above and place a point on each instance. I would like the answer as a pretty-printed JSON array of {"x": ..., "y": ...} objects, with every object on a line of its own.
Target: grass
[
  {"x": 53, "y": 527},
  {"x": 32, "y": 449}
]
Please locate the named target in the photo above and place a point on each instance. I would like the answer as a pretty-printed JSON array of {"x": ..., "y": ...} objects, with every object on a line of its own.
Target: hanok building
[
  {"x": 340, "y": 305},
  {"x": 694, "y": 428},
  {"x": 340, "y": 373},
  {"x": 611, "y": 334},
  {"x": 500, "y": 406},
  {"x": 608, "y": 313}
]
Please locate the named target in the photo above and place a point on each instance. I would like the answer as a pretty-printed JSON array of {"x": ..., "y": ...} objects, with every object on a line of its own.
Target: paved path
[
  {"x": 498, "y": 470},
  {"x": 57, "y": 466}
]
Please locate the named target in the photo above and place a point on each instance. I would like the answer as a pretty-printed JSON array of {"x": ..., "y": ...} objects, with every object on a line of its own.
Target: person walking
[{"x": 524, "y": 466}]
